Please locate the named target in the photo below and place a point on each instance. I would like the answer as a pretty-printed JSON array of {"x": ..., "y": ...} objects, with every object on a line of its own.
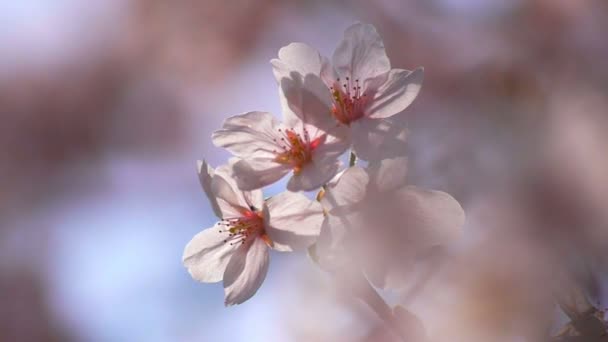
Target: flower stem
[{"x": 366, "y": 292}]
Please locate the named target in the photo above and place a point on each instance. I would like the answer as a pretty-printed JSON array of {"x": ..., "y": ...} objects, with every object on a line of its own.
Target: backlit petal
[
  {"x": 388, "y": 174},
  {"x": 206, "y": 255},
  {"x": 298, "y": 57},
  {"x": 256, "y": 173},
  {"x": 349, "y": 190},
  {"x": 329, "y": 75},
  {"x": 331, "y": 250},
  {"x": 309, "y": 99},
  {"x": 399, "y": 91},
  {"x": 246, "y": 271},
  {"x": 245, "y": 199},
  {"x": 249, "y": 134},
  {"x": 377, "y": 139},
  {"x": 205, "y": 176},
  {"x": 229, "y": 198},
  {"x": 433, "y": 217},
  {"x": 397, "y": 227},
  {"x": 293, "y": 221},
  {"x": 314, "y": 174},
  {"x": 335, "y": 144},
  {"x": 361, "y": 53}
]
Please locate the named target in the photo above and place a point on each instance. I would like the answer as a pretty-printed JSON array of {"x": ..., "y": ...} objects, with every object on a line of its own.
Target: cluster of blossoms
[{"x": 365, "y": 213}]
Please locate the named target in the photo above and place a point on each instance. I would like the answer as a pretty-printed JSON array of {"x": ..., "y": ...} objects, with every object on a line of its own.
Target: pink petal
[
  {"x": 293, "y": 221},
  {"x": 245, "y": 271},
  {"x": 206, "y": 255},
  {"x": 399, "y": 226},
  {"x": 232, "y": 194},
  {"x": 435, "y": 216},
  {"x": 399, "y": 91},
  {"x": 309, "y": 99},
  {"x": 377, "y": 139},
  {"x": 230, "y": 200},
  {"x": 349, "y": 190},
  {"x": 255, "y": 173},
  {"x": 388, "y": 174},
  {"x": 331, "y": 248},
  {"x": 248, "y": 135},
  {"x": 205, "y": 176},
  {"x": 314, "y": 174},
  {"x": 298, "y": 57},
  {"x": 361, "y": 54}
]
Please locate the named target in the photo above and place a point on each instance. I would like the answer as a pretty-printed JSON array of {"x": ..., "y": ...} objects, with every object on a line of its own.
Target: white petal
[
  {"x": 330, "y": 247},
  {"x": 205, "y": 175},
  {"x": 293, "y": 221},
  {"x": 314, "y": 175},
  {"x": 399, "y": 91},
  {"x": 256, "y": 173},
  {"x": 206, "y": 255},
  {"x": 248, "y": 135},
  {"x": 309, "y": 99},
  {"x": 431, "y": 217},
  {"x": 388, "y": 174},
  {"x": 293, "y": 121},
  {"x": 246, "y": 199},
  {"x": 349, "y": 190},
  {"x": 376, "y": 139},
  {"x": 371, "y": 85},
  {"x": 336, "y": 142},
  {"x": 298, "y": 57},
  {"x": 399, "y": 226},
  {"x": 255, "y": 198},
  {"x": 230, "y": 200},
  {"x": 361, "y": 53},
  {"x": 379, "y": 251},
  {"x": 329, "y": 75},
  {"x": 334, "y": 181},
  {"x": 246, "y": 271},
  {"x": 290, "y": 119}
]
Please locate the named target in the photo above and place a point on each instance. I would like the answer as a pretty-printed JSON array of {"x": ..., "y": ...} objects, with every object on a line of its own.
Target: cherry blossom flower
[
  {"x": 236, "y": 249},
  {"x": 269, "y": 150},
  {"x": 374, "y": 217},
  {"x": 361, "y": 89}
]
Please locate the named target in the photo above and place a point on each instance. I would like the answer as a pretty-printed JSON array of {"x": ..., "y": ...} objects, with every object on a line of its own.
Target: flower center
[
  {"x": 348, "y": 99},
  {"x": 296, "y": 150},
  {"x": 241, "y": 229}
]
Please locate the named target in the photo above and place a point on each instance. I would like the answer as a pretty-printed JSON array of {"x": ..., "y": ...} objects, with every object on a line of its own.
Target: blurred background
[{"x": 106, "y": 106}]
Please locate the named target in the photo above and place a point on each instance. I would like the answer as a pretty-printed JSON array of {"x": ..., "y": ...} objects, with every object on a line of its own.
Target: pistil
[
  {"x": 348, "y": 101},
  {"x": 296, "y": 149},
  {"x": 241, "y": 229}
]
